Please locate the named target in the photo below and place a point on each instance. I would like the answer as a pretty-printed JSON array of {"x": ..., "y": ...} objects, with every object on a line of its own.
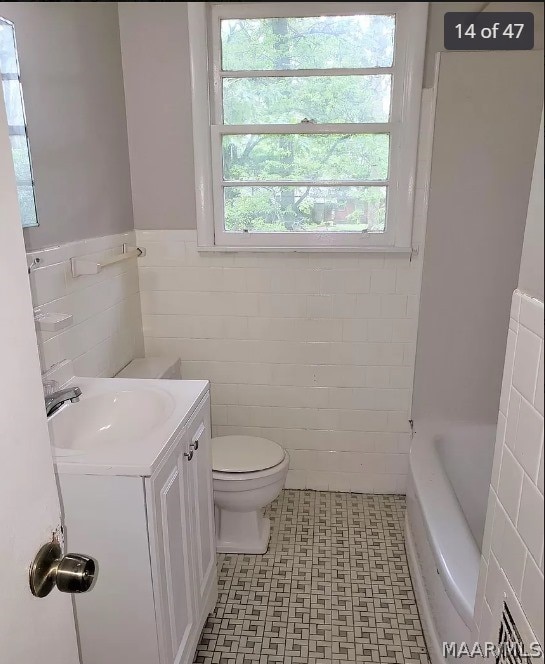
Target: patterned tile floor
[{"x": 334, "y": 588}]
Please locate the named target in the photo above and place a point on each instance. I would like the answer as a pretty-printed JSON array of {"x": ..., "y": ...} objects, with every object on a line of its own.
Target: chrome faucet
[{"x": 55, "y": 400}]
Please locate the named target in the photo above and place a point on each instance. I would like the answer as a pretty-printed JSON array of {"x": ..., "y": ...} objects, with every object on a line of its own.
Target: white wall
[
  {"x": 70, "y": 62},
  {"x": 155, "y": 51},
  {"x": 512, "y": 553},
  {"x": 531, "y": 267},
  {"x": 486, "y": 124},
  {"x": 106, "y": 331}
]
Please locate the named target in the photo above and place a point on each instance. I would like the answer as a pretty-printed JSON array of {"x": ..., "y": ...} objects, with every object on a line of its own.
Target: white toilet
[{"x": 248, "y": 474}]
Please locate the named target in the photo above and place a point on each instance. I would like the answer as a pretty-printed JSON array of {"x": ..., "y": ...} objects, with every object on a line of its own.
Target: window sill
[{"x": 329, "y": 250}]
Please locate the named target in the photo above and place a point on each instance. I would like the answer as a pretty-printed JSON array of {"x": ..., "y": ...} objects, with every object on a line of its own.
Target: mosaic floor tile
[{"x": 333, "y": 588}]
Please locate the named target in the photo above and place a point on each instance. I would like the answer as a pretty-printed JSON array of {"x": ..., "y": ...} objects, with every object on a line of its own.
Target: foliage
[{"x": 293, "y": 43}]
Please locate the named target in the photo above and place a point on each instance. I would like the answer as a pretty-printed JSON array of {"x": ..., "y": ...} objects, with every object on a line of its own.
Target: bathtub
[{"x": 447, "y": 492}]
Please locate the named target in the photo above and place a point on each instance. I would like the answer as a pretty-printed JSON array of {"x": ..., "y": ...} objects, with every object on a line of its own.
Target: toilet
[{"x": 248, "y": 474}]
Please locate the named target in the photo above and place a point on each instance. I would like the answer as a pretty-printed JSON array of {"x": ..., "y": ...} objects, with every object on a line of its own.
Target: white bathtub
[{"x": 450, "y": 468}]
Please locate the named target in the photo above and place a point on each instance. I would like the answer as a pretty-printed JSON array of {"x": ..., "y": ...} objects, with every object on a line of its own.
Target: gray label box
[{"x": 489, "y": 31}]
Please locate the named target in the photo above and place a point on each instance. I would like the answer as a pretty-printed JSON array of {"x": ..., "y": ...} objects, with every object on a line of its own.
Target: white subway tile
[
  {"x": 530, "y": 518},
  {"x": 47, "y": 283},
  {"x": 510, "y": 484},
  {"x": 494, "y": 585},
  {"x": 404, "y": 330},
  {"x": 393, "y": 306},
  {"x": 507, "y": 371},
  {"x": 531, "y": 315},
  {"x": 296, "y": 479},
  {"x": 317, "y": 480},
  {"x": 487, "y": 535},
  {"x": 355, "y": 329},
  {"x": 529, "y": 439},
  {"x": 498, "y": 451},
  {"x": 525, "y": 369},
  {"x": 380, "y": 330},
  {"x": 515, "y": 305},
  {"x": 368, "y": 306},
  {"x": 540, "y": 472},
  {"x": 275, "y": 305},
  {"x": 513, "y": 412},
  {"x": 511, "y": 553},
  {"x": 401, "y": 377},
  {"x": 538, "y": 396},
  {"x": 413, "y": 305},
  {"x": 362, "y": 482},
  {"x": 383, "y": 281},
  {"x": 532, "y": 597},
  {"x": 408, "y": 281}
]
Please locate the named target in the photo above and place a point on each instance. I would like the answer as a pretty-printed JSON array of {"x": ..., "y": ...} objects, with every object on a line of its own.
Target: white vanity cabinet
[{"x": 153, "y": 537}]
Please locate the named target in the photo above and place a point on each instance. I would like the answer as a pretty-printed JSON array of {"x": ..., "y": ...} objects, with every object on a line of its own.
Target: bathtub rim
[{"x": 454, "y": 549}]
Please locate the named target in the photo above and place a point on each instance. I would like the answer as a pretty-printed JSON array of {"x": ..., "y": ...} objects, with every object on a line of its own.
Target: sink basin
[{"x": 108, "y": 418}]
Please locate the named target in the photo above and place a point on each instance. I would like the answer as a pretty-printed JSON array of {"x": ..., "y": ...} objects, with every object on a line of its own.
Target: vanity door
[
  {"x": 169, "y": 497},
  {"x": 202, "y": 505}
]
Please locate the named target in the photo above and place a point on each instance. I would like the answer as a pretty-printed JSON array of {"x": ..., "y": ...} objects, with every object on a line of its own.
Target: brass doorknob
[{"x": 72, "y": 573}]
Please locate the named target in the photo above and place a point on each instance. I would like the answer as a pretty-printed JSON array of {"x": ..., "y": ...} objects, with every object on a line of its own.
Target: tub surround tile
[
  {"x": 510, "y": 484},
  {"x": 513, "y": 548},
  {"x": 532, "y": 596},
  {"x": 529, "y": 439},
  {"x": 333, "y": 587},
  {"x": 526, "y": 365},
  {"x": 530, "y": 518}
]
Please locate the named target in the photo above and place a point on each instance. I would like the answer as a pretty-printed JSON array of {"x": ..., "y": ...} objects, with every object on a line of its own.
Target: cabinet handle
[
  {"x": 194, "y": 445},
  {"x": 189, "y": 455}
]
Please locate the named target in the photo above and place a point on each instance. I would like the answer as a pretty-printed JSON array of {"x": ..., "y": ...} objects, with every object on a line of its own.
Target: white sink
[{"x": 108, "y": 418}]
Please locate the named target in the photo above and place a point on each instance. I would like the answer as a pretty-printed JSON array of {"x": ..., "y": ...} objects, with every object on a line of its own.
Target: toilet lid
[{"x": 244, "y": 454}]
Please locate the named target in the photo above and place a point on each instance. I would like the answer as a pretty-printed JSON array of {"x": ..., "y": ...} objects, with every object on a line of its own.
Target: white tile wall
[
  {"x": 106, "y": 331},
  {"x": 315, "y": 351},
  {"x": 512, "y": 557}
]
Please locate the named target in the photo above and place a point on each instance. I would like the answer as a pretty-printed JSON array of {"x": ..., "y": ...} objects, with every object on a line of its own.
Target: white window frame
[{"x": 208, "y": 129}]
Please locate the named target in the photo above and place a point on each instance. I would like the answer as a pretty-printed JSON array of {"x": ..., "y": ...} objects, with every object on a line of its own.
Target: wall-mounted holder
[
  {"x": 51, "y": 322},
  {"x": 84, "y": 265}
]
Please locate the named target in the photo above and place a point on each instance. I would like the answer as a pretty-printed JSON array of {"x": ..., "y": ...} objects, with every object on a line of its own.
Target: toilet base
[{"x": 242, "y": 532}]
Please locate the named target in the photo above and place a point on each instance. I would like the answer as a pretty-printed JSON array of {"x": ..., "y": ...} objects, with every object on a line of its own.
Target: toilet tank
[{"x": 152, "y": 367}]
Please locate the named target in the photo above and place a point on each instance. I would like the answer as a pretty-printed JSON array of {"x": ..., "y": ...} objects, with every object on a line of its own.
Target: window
[
  {"x": 13, "y": 98},
  {"x": 311, "y": 133}
]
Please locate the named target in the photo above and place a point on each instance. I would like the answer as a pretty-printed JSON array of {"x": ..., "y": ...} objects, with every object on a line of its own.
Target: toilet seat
[{"x": 245, "y": 454}]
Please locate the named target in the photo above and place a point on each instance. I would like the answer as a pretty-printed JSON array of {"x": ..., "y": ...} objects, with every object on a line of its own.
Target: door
[
  {"x": 203, "y": 505},
  {"x": 31, "y": 629},
  {"x": 168, "y": 493}
]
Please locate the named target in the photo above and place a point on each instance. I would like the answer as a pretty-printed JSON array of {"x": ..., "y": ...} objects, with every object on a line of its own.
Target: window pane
[
  {"x": 21, "y": 159},
  {"x": 305, "y": 209},
  {"x": 315, "y": 42},
  {"x": 14, "y": 103},
  {"x": 314, "y": 157},
  {"x": 27, "y": 205},
  {"x": 8, "y": 58},
  {"x": 13, "y": 97},
  {"x": 317, "y": 98}
]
